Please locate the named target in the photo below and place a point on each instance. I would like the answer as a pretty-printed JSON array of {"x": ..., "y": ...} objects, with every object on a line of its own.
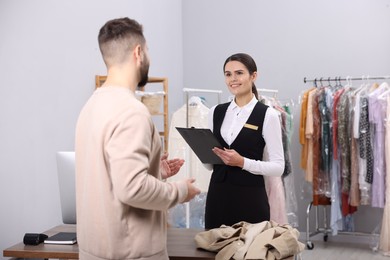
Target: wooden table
[{"x": 181, "y": 245}]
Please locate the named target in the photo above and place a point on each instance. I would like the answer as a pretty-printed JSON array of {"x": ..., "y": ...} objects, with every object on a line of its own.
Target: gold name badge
[{"x": 253, "y": 127}]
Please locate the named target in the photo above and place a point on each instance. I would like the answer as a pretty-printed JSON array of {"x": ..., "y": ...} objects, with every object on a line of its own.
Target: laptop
[{"x": 66, "y": 180}]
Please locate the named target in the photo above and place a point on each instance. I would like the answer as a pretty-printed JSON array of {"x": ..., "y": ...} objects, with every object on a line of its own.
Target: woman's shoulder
[{"x": 222, "y": 105}]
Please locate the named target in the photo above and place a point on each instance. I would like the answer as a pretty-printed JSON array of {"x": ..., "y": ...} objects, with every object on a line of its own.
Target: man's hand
[
  {"x": 170, "y": 167},
  {"x": 192, "y": 190}
]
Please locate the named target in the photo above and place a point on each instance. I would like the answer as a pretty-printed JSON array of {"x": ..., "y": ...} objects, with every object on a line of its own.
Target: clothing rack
[
  {"x": 325, "y": 229},
  {"x": 348, "y": 78}
]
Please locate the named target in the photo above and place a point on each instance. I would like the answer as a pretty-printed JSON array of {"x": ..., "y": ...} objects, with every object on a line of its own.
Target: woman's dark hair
[{"x": 248, "y": 62}]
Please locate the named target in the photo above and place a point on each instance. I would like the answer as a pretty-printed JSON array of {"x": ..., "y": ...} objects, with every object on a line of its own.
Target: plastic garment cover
[
  {"x": 377, "y": 112},
  {"x": 384, "y": 242},
  {"x": 281, "y": 190},
  {"x": 276, "y": 196},
  {"x": 288, "y": 179},
  {"x": 178, "y": 148},
  {"x": 189, "y": 214}
]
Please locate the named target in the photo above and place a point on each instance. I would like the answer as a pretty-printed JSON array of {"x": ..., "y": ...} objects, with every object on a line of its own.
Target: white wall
[
  {"x": 289, "y": 40},
  {"x": 48, "y": 59}
]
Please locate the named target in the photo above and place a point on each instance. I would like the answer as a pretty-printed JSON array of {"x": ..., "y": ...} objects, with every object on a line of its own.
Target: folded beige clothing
[{"x": 244, "y": 241}]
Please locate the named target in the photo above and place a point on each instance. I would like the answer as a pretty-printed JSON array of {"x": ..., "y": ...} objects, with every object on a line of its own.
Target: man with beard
[{"x": 121, "y": 197}]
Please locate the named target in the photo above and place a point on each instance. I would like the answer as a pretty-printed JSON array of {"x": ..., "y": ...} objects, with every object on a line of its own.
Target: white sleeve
[{"x": 272, "y": 134}]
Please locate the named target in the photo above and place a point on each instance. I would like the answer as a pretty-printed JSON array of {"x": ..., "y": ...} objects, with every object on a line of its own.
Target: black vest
[{"x": 249, "y": 143}]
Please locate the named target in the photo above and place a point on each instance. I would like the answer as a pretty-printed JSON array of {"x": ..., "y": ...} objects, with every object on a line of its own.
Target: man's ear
[{"x": 138, "y": 53}]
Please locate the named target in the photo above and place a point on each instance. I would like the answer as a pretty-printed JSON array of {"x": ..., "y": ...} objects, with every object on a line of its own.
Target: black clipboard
[{"x": 201, "y": 141}]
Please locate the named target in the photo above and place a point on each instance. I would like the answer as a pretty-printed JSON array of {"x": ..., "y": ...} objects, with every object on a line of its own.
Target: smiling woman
[
  {"x": 244, "y": 127},
  {"x": 240, "y": 76}
]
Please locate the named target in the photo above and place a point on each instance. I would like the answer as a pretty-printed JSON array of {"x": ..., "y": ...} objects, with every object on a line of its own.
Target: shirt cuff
[{"x": 246, "y": 164}]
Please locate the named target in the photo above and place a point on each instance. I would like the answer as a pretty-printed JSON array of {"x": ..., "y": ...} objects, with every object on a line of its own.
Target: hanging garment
[
  {"x": 191, "y": 214},
  {"x": 365, "y": 153},
  {"x": 364, "y": 187},
  {"x": 284, "y": 119},
  {"x": 319, "y": 197},
  {"x": 178, "y": 148},
  {"x": 288, "y": 181},
  {"x": 325, "y": 142},
  {"x": 384, "y": 242},
  {"x": 309, "y": 131},
  {"x": 302, "y": 128},
  {"x": 276, "y": 196},
  {"x": 354, "y": 193},
  {"x": 336, "y": 217},
  {"x": 377, "y": 111},
  {"x": 276, "y": 199},
  {"x": 276, "y": 190},
  {"x": 336, "y": 99},
  {"x": 344, "y": 135},
  {"x": 343, "y": 140}
]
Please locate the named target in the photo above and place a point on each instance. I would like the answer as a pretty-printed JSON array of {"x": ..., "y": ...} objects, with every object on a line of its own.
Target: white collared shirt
[{"x": 235, "y": 120}]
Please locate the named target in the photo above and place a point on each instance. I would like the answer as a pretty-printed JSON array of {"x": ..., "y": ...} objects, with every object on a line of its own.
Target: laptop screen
[{"x": 66, "y": 180}]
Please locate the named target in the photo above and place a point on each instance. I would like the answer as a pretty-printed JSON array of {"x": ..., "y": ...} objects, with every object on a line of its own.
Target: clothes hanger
[
  {"x": 329, "y": 84},
  {"x": 338, "y": 82},
  {"x": 362, "y": 86},
  {"x": 321, "y": 82},
  {"x": 375, "y": 88},
  {"x": 194, "y": 101},
  {"x": 384, "y": 94},
  {"x": 349, "y": 81}
]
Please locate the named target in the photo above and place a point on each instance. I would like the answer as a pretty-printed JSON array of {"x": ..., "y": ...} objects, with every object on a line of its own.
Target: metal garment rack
[
  {"x": 325, "y": 229},
  {"x": 266, "y": 90},
  {"x": 187, "y": 92},
  {"x": 348, "y": 78}
]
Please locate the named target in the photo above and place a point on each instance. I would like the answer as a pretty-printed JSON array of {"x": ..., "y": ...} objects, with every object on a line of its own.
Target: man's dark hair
[{"x": 118, "y": 37}]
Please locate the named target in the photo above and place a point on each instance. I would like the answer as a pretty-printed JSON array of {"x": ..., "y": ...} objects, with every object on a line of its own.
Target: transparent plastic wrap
[
  {"x": 364, "y": 152},
  {"x": 306, "y": 189},
  {"x": 276, "y": 198},
  {"x": 197, "y": 116},
  {"x": 344, "y": 141},
  {"x": 377, "y": 108},
  {"x": 325, "y": 144},
  {"x": 190, "y": 214},
  {"x": 291, "y": 200},
  {"x": 318, "y": 176},
  {"x": 288, "y": 180},
  {"x": 384, "y": 244},
  {"x": 374, "y": 238},
  {"x": 281, "y": 191}
]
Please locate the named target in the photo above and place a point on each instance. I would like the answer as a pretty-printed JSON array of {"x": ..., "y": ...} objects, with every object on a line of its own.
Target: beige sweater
[{"x": 120, "y": 197}]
